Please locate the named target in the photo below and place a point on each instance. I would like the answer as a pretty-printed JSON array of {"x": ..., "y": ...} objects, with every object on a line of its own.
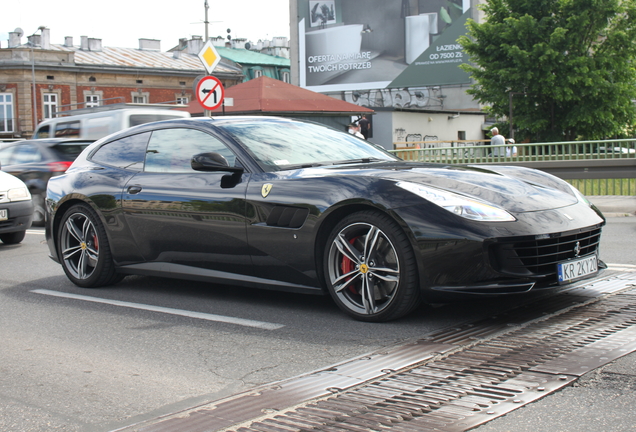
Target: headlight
[
  {"x": 458, "y": 204},
  {"x": 18, "y": 194}
]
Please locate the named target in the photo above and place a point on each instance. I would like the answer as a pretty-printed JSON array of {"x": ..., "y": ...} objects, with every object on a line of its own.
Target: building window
[
  {"x": 50, "y": 105},
  {"x": 182, "y": 100},
  {"x": 92, "y": 101},
  {"x": 6, "y": 112},
  {"x": 285, "y": 77},
  {"x": 461, "y": 135},
  {"x": 140, "y": 96}
]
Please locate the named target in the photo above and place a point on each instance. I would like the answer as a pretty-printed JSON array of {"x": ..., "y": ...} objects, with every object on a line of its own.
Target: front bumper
[
  {"x": 20, "y": 216},
  {"x": 465, "y": 258}
]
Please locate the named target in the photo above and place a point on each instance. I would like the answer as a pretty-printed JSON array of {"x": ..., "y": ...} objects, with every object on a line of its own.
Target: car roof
[{"x": 50, "y": 142}]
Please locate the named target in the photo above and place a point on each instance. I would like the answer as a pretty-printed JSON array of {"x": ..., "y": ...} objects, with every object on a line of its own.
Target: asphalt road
[{"x": 70, "y": 363}]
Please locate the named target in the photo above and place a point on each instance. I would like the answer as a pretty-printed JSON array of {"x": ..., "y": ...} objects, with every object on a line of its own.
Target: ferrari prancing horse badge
[{"x": 266, "y": 189}]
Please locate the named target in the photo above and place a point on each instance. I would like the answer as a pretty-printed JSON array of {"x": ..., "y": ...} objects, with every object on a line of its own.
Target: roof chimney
[
  {"x": 68, "y": 41},
  {"x": 15, "y": 39},
  {"x": 46, "y": 38},
  {"x": 94, "y": 44},
  {"x": 150, "y": 44},
  {"x": 84, "y": 43},
  {"x": 195, "y": 45}
]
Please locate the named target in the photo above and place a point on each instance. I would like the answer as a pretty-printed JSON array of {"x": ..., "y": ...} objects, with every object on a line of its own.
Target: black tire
[
  {"x": 84, "y": 250},
  {"x": 368, "y": 250},
  {"x": 38, "y": 210},
  {"x": 12, "y": 238}
]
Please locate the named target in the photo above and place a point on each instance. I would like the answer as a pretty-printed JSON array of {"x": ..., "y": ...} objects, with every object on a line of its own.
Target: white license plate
[
  {"x": 577, "y": 268},
  {"x": 4, "y": 215}
]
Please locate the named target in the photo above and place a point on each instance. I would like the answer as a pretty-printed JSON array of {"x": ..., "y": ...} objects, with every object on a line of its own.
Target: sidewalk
[{"x": 613, "y": 206}]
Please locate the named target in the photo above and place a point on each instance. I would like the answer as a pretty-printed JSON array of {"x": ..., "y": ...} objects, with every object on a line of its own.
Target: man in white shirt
[{"x": 497, "y": 140}]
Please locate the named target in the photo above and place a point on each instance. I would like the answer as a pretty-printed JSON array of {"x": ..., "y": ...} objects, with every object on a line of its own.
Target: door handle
[{"x": 134, "y": 189}]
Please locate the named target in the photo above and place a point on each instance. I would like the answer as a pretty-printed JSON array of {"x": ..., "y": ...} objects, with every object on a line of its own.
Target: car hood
[
  {"x": 8, "y": 181},
  {"x": 516, "y": 189}
]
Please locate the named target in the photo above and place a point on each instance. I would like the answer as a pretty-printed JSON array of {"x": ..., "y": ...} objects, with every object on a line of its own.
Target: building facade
[
  {"x": 39, "y": 79},
  {"x": 398, "y": 57}
]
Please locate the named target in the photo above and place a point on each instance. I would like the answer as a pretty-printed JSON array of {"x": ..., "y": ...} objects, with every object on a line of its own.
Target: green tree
[{"x": 570, "y": 66}]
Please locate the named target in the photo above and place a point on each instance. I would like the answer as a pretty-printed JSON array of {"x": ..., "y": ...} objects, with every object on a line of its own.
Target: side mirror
[{"x": 212, "y": 162}]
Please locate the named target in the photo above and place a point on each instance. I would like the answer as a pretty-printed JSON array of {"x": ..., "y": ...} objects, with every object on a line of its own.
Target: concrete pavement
[{"x": 613, "y": 206}]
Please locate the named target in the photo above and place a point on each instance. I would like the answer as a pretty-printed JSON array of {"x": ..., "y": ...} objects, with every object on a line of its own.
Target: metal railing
[
  {"x": 463, "y": 152},
  {"x": 601, "y": 167}
]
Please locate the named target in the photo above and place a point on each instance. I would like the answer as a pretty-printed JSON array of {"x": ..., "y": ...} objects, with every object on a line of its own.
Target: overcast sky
[{"x": 120, "y": 23}]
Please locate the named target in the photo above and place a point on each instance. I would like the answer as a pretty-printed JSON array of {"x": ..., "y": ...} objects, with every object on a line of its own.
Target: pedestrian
[
  {"x": 512, "y": 150},
  {"x": 365, "y": 126},
  {"x": 497, "y": 140},
  {"x": 354, "y": 129}
]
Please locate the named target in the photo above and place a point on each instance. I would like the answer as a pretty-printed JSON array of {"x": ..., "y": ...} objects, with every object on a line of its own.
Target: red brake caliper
[{"x": 347, "y": 266}]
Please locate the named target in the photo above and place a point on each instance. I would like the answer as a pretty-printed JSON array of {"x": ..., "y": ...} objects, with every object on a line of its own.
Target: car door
[{"x": 191, "y": 219}]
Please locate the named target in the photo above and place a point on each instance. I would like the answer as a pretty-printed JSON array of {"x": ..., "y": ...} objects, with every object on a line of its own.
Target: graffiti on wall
[{"x": 412, "y": 97}]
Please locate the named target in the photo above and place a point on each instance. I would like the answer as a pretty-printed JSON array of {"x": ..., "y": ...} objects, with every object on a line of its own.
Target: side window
[
  {"x": 68, "y": 129},
  {"x": 43, "y": 132},
  {"x": 171, "y": 150},
  {"x": 26, "y": 154},
  {"x": 126, "y": 153}
]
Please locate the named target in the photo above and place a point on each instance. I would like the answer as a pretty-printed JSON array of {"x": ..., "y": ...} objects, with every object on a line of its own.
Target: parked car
[
  {"x": 102, "y": 121},
  {"x": 16, "y": 209},
  {"x": 36, "y": 161},
  {"x": 283, "y": 204}
]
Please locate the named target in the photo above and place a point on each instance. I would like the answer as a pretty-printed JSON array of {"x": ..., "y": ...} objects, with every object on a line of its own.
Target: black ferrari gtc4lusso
[{"x": 290, "y": 205}]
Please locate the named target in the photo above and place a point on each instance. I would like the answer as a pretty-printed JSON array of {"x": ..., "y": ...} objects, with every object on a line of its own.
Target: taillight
[{"x": 60, "y": 166}]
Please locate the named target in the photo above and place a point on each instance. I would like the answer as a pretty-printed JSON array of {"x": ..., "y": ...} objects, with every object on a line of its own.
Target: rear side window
[
  {"x": 126, "y": 153},
  {"x": 26, "y": 153},
  {"x": 70, "y": 151},
  {"x": 67, "y": 129}
]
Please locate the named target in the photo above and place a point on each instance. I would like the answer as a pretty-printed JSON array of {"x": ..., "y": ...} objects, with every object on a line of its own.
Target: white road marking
[
  {"x": 30, "y": 231},
  {"x": 622, "y": 267},
  {"x": 181, "y": 312}
]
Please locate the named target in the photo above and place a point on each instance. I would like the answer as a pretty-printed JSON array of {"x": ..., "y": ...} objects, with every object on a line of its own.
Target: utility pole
[{"x": 206, "y": 22}]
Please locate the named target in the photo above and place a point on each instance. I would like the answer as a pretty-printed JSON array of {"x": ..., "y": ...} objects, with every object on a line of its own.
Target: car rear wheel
[
  {"x": 13, "y": 238},
  {"x": 84, "y": 250},
  {"x": 370, "y": 268}
]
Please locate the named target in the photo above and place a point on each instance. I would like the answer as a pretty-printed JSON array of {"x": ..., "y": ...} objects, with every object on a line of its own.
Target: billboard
[{"x": 349, "y": 45}]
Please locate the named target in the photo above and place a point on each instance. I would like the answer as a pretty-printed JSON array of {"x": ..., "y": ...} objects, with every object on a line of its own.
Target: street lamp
[{"x": 35, "y": 106}]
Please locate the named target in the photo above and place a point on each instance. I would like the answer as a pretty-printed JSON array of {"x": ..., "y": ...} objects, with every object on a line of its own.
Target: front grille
[{"x": 539, "y": 257}]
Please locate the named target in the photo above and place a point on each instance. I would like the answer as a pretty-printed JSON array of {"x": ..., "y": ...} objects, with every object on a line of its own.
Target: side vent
[{"x": 287, "y": 217}]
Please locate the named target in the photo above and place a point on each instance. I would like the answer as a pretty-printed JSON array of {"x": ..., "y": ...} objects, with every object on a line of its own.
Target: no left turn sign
[{"x": 210, "y": 92}]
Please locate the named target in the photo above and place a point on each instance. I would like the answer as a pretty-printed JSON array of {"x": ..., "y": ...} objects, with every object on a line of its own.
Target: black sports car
[{"x": 290, "y": 205}]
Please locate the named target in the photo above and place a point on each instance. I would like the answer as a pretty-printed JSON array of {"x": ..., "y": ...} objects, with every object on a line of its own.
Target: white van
[{"x": 95, "y": 125}]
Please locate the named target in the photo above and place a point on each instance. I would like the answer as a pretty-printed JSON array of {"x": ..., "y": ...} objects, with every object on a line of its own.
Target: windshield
[{"x": 280, "y": 145}]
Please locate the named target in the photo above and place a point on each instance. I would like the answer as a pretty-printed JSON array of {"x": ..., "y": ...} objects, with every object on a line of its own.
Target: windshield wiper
[
  {"x": 357, "y": 161},
  {"x": 302, "y": 165}
]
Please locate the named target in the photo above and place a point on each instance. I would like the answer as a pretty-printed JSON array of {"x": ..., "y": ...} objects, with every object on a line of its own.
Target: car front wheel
[
  {"x": 13, "y": 238},
  {"x": 84, "y": 250},
  {"x": 370, "y": 268}
]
